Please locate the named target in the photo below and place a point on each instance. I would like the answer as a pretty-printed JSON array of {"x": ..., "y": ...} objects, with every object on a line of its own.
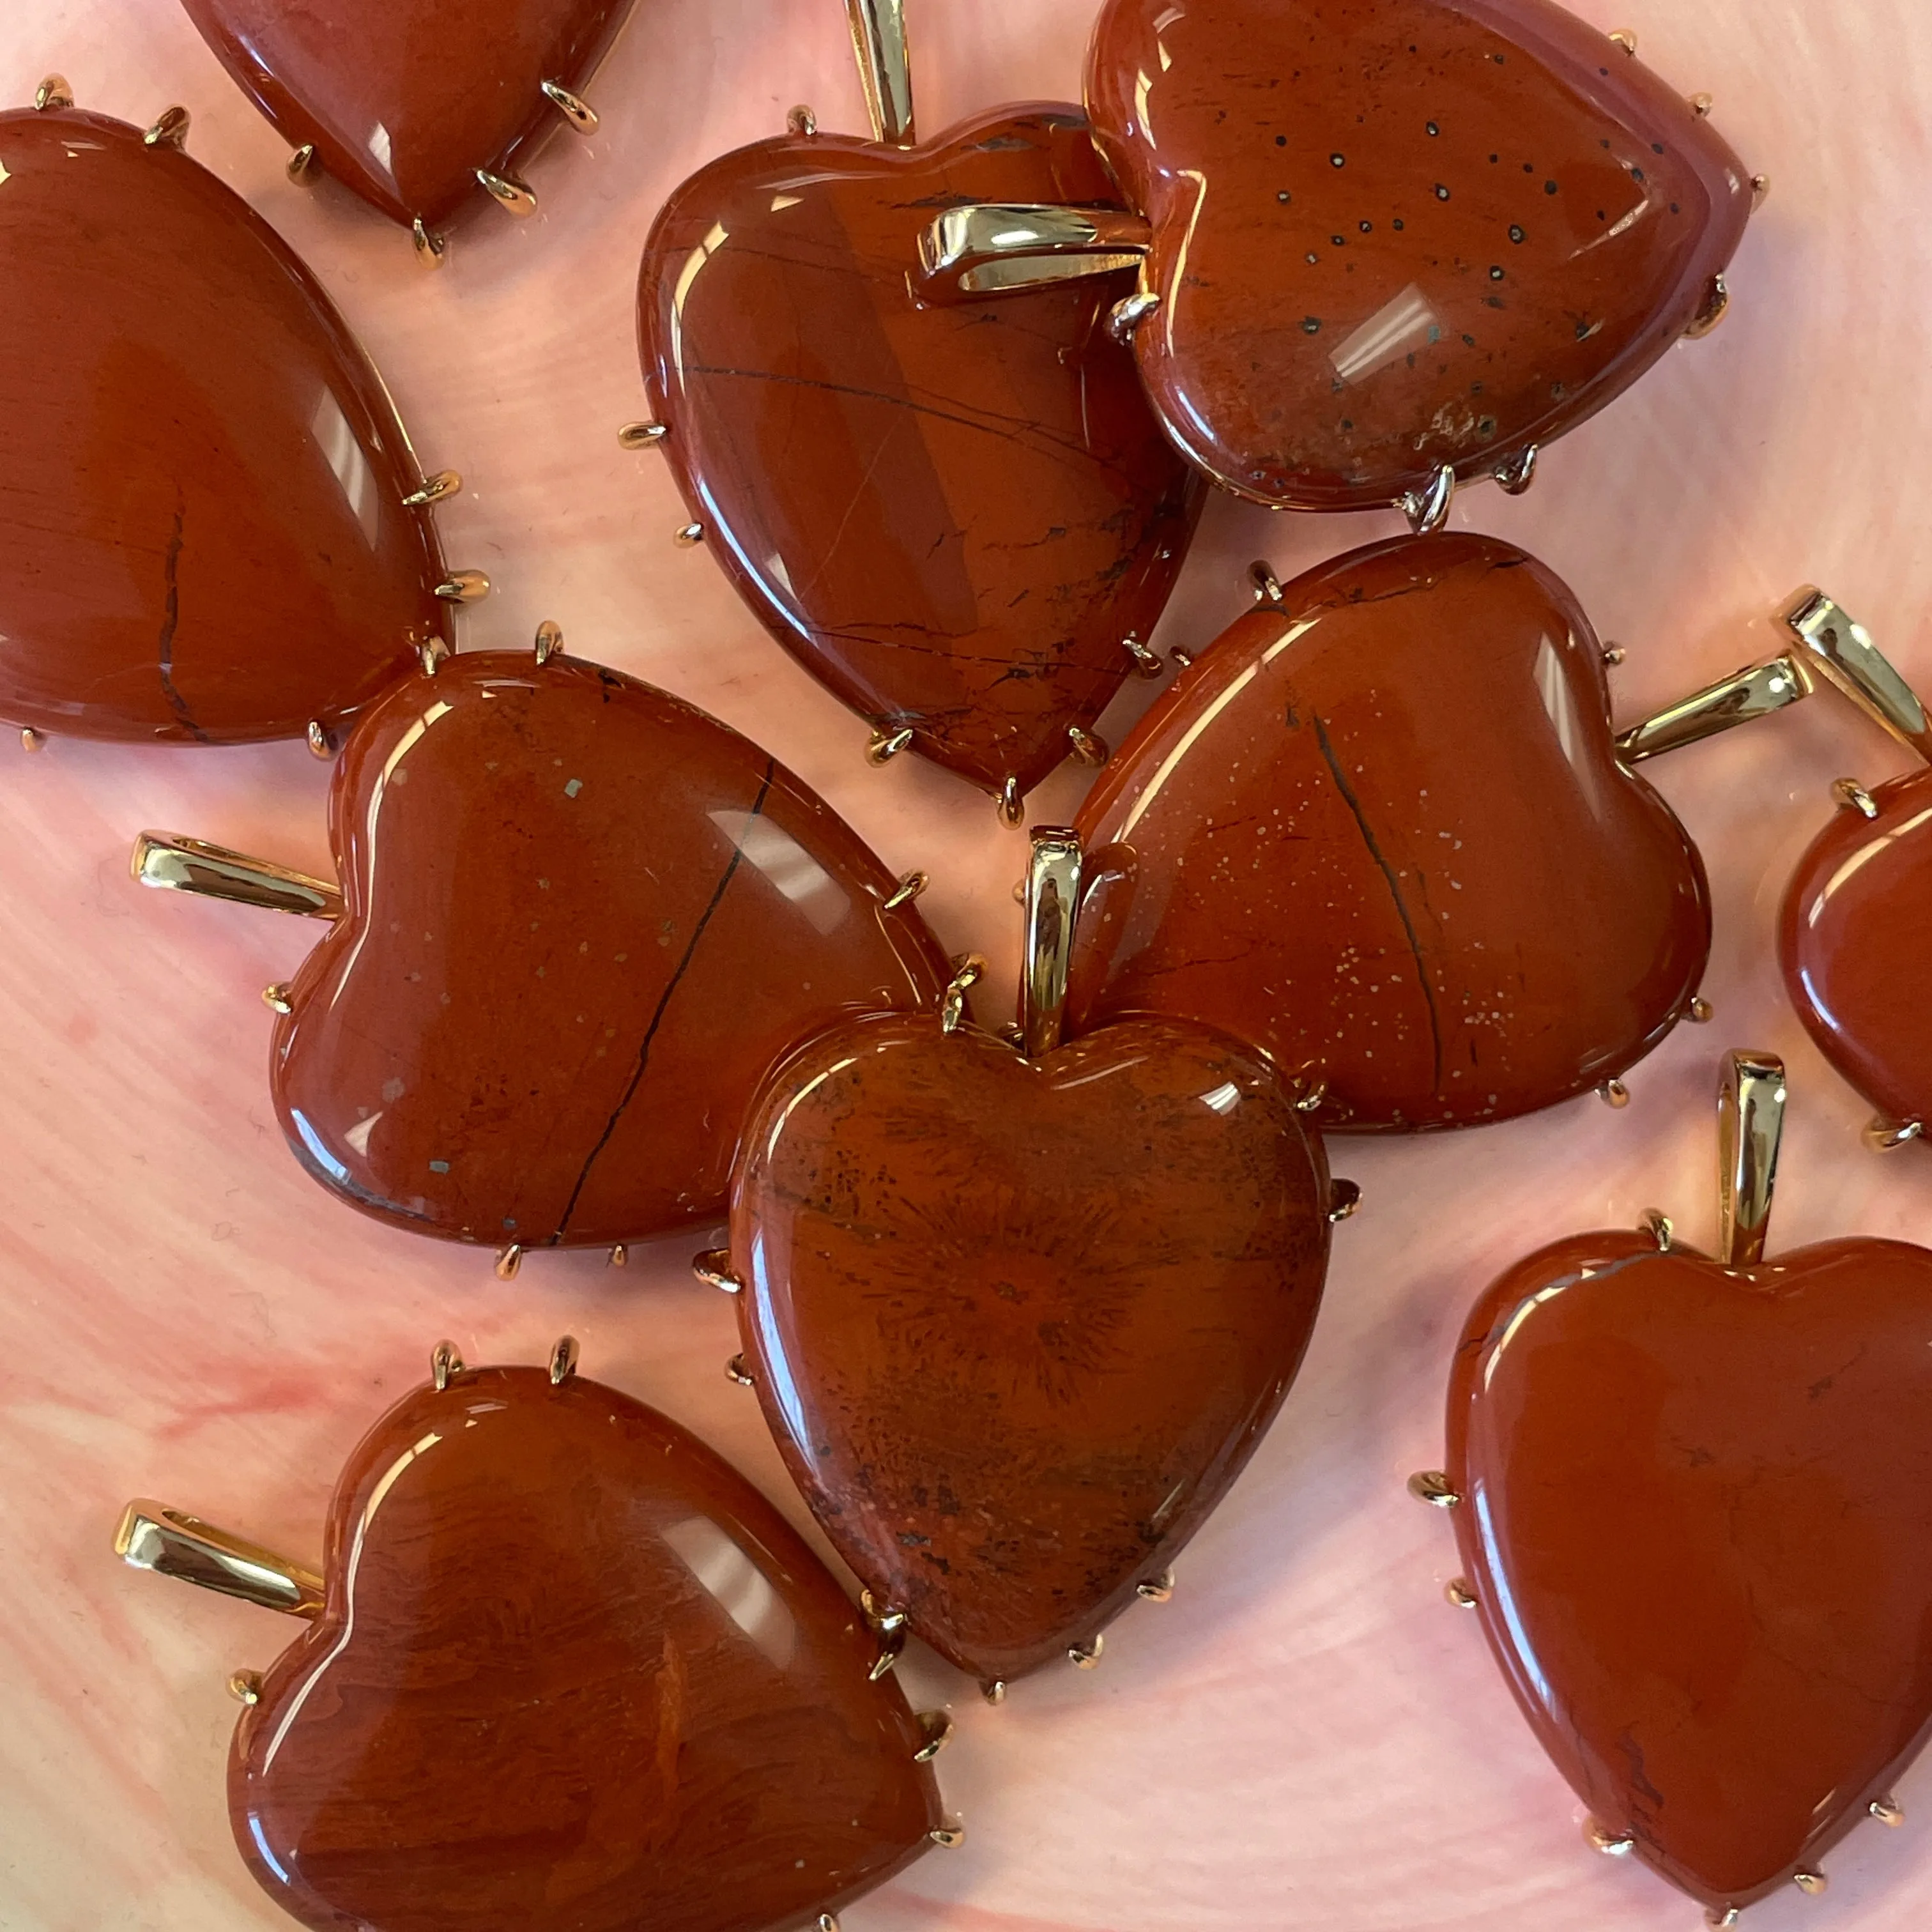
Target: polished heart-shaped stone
[
  {"x": 417, "y": 105},
  {"x": 570, "y": 1669},
  {"x": 206, "y": 532},
  {"x": 1017, "y": 1325},
  {"x": 1855, "y": 934},
  {"x": 963, "y": 520},
  {"x": 1381, "y": 829},
  {"x": 1393, "y": 237},
  {"x": 1694, "y": 1503},
  {"x": 581, "y": 920}
]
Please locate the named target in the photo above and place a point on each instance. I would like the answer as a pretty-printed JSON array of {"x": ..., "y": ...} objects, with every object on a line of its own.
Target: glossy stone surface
[
  {"x": 952, "y": 515},
  {"x": 572, "y": 1669},
  {"x": 1391, "y": 235},
  {"x": 582, "y": 920},
  {"x": 1697, "y": 1515},
  {"x": 1380, "y": 830},
  {"x": 403, "y": 100},
  {"x": 202, "y": 538},
  {"x": 1854, "y": 937},
  {"x": 1016, "y": 1327}
]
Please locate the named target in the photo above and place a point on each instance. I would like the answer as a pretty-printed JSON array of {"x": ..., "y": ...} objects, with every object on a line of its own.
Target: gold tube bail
[
  {"x": 1052, "y": 899},
  {"x": 171, "y": 1543},
  {"x": 1751, "y": 1124},
  {"x": 1841, "y": 647},
  {"x": 885, "y": 68}
]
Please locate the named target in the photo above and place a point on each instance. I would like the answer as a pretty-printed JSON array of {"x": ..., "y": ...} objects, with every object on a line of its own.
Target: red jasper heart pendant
[
  {"x": 1381, "y": 829},
  {"x": 1016, "y": 1324},
  {"x": 581, "y": 921},
  {"x": 417, "y": 105},
  {"x": 1694, "y": 1499},
  {"x": 1394, "y": 239},
  {"x": 565, "y": 1667},
  {"x": 211, "y": 527},
  {"x": 961, "y": 520}
]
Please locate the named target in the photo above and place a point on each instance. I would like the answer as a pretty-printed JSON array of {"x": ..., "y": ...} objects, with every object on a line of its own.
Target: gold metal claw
[
  {"x": 1700, "y": 1012},
  {"x": 1887, "y": 1811},
  {"x": 245, "y": 1686},
  {"x": 318, "y": 744},
  {"x": 463, "y": 586},
  {"x": 1613, "y": 656},
  {"x": 1701, "y": 105},
  {"x": 1716, "y": 306},
  {"x": 1146, "y": 663},
  {"x": 994, "y": 1689},
  {"x": 908, "y": 890},
  {"x": 1659, "y": 1226},
  {"x": 1459, "y": 1593},
  {"x": 53, "y": 94},
  {"x": 1089, "y": 747},
  {"x": 1614, "y": 1094},
  {"x": 1087, "y": 1656},
  {"x": 1882, "y": 1136},
  {"x": 169, "y": 131},
  {"x": 1516, "y": 473},
  {"x": 512, "y": 195},
  {"x": 31, "y": 740},
  {"x": 687, "y": 536},
  {"x": 1344, "y": 1201},
  {"x": 950, "y": 1835},
  {"x": 1852, "y": 795},
  {"x": 1432, "y": 1486},
  {"x": 1011, "y": 804},
  {"x": 1129, "y": 313},
  {"x": 885, "y": 746},
  {"x": 1156, "y": 1589},
  {"x": 889, "y": 1626},
  {"x": 713, "y": 1267},
  {"x": 563, "y": 1360},
  {"x": 509, "y": 1260},
  {"x": 802, "y": 121},
  {"x": 1760, "y": 191},
  {"x": 620, "y": 1256},
  {"x": 736, "y": 1371},
  {"x": 1626, "y": 38},
  {"x": 966, "y": 973},
  {"x": 1812, "y": 1884},
  {"x": 578, "y": 112},
  {"x": 444, "y": 1363},
  {"x": 429, "y": 247},
  {"x": 550, "y": 641},
  {"x": 642, "y": 435},
  {"x": 1428, "y": 509},
  {"x": 434, "y": 489},
  {"x": 935, "y": 1727},
  {"x": 1267, "y": 585},
  {"x": 1612, "y": 1844},
  {"x": 1723, "y": 1917},
  {"x": 276, "y": 997},
  {"x": 304, "y": 167}
]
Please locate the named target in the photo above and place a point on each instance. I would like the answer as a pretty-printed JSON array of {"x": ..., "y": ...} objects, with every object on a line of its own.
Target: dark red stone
[
  {"x": 1855, "y": 937},
  {"x": 403, "y": 100},
  {"x": 572, "y": 1670},
  {"x": 583, "y": 921},
  {"x": 1391, "y": 234},
  {"x": 952, "y": 515},
  {"x": 1696, "y": 1516},
  {"x": 1380, "y": 830},
  {"x": 1017, "y": 1326},
  {"x": 202, "y": 534}
]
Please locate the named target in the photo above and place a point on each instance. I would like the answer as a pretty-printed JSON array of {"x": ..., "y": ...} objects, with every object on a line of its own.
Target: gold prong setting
[
  {"x": 514, "y": 196},
  {"x": 574, "y": 108},
  {"x": 169, "y": 130},
  {"x": 53, "y": 95},
  {"x": 1433, "y": 1487}
]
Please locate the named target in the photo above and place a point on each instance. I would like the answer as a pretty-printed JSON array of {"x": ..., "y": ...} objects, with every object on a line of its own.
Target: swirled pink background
[{"x": 1306, "y": 1736}]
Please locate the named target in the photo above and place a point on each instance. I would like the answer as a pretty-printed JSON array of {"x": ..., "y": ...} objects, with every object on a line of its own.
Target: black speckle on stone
[
  {"x": 1338, "y": 160},
  {"x": 1348, "y": 422},
  {"x": 1281, "y": 140},
  {"x": 1558, "y": 392},
  {"x": 1529, "y": 167},
  {"x": 1487, "y": 427},
  {"x": 1583, "y": 331},
  {"x": 1675, "y": 209},
  {"x": 1340, "y": 241},
  {"x": 1657, "y": 147},
  {"x": 1468, "y": 342},
  {"x": 1636, "y": 174},
  {"x": 1494, "y": 159},
  {"x": 1496, "y": 274},
  {"x": 1311, "y": 324},
  {"x": 1369, "y": 227},
  {"x": 1601, "y": 216},
  {"x": 1550, "y": 188},
  {"x": 1432, "y": 128},
  {"x": 1516, "y": 234},
  {"x": 1397, "y": 224}
]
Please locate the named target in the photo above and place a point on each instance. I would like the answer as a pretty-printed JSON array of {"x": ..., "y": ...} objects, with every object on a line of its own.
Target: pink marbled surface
[{"x": 1306, "y": 1736}]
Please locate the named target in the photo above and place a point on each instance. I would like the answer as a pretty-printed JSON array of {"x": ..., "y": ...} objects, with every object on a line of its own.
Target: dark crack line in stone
[
  {"x": 1389, "y": 873},
  {"x": 663, "y": 1006},
  {"x": 170, "y": 618}
]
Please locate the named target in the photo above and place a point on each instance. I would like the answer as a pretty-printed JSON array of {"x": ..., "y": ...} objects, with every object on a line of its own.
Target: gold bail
[
  {"x": 1842, "y": 648},
  {"x": 174, "y": 864},
  {"x": 983, "y": 247},
  {"x": 1750, "y": 1124},
  {"x": 885, "y": 68},
  {"x": 172, "y": 1544},
  {"x": 1755, "y": 691},
  {"x": 1052, "y": 899}
]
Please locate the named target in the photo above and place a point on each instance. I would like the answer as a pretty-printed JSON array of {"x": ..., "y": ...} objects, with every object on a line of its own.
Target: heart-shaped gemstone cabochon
[
  {"x": 203, "y": 538},
  {"x": 404, "y": 101},
  {"x": 1854, "y": 937},
  {"x": 1017, "y": 1325},
  {"x": 1393, "y": 235},
  {"x": 582, "y": 920},
  {"x": 571, "y": 1669},
  {"x": 953, "y": 515},
  {"x": 1696, "y": 1514},
  {"x": 1380, "y": 828}
]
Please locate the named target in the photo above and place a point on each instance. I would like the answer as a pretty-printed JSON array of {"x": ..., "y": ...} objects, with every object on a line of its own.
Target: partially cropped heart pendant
[
  {"x": 1391, "y": 247},
  {"x": 1017, "y": 1318},
  {"x": 1693, "y": 1499},
  {"x": 562, "y": 1666},
  {"x": 577, "y": 921},
  {"x": 419, "y": 106},
  {"x": 1383, "y": 828},
  {"x": 964, "y": 521},
  {"x": 212, "y": 526}
]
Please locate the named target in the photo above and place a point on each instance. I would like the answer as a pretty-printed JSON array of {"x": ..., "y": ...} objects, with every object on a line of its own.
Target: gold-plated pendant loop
[
  {"x": 193, "y": 866},
  {"x": 1052, "y": 900},
  {"x": 172, "y": 1544},
  {"x": 885, "y": 68},
  {"x": 1750, "y": 1124},
  {"x": 1754, "y": 692},
  {"x": 1842, "y": 648},
  {"x": 985, "y": 248}
]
